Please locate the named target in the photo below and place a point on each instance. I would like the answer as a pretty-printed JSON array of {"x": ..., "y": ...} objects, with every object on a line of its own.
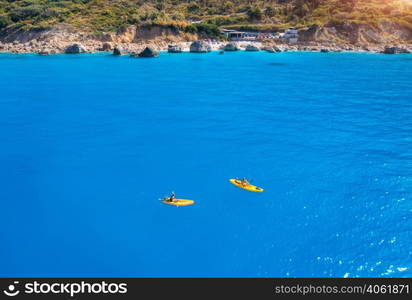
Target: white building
[
  {"x": 291, "y": 35},
  {"x": 233, "y": 35}
]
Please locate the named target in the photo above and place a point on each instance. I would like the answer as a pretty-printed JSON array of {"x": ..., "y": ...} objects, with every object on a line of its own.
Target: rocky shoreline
[
  {"x": 134, "y": 39},
  {"x": 94, "y": 46}
]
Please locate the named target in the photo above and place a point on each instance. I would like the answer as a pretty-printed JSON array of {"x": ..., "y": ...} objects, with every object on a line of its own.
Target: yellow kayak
[
  {"x": 178, "y": 202},
  {"x": 247, "y": 186}
]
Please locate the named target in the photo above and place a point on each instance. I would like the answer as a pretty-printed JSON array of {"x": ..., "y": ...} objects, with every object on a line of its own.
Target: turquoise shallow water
[{"x": 88, "y": 143}]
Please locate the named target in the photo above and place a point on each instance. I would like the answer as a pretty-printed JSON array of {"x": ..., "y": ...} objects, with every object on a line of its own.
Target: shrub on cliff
[
  {"x": 227, "y": 20},
  {"x": 26, "y": 12},
  {"x": 255, "y": 13},
  {"x": 4, "y": 21},
  {"x": 209, "y": 29}
]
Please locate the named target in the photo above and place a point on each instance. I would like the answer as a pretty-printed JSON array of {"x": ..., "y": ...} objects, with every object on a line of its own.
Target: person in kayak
[
  {"x": 244, "y": 182},
  {"x": 172, "y": 197}
]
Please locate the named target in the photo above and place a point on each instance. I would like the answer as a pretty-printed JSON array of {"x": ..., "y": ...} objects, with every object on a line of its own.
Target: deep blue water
[{"x": 88, "y": 144}]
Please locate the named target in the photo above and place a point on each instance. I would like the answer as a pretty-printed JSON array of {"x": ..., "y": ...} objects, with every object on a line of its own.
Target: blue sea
[{"x": 89, "y": 143}]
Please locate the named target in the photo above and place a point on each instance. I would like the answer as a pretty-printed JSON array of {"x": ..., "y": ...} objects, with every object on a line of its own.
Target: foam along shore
[{"x": 200, "y": 46}]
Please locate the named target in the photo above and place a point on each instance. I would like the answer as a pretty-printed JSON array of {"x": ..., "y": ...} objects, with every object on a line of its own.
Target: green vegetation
[{"x": 199, "y": 16}]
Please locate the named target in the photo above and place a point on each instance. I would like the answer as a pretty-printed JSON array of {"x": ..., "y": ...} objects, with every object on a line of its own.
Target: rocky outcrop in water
[
  {"x": 231, "y": 47},
  {"x": 174, "y": 49},
  {"x": 395, "y": 50},
  {"x": 106, "y": 46},
  {"x": 252, "y": 48},
  {"x": 200, "y": 47},
  {"x": 75, "y": 49},
  {"x": 269, "y": 49},
  {"x": 46, "y": 52},
  {"x": 274, "y": 49},
  {"x": 118, "y": 50},
  {"x": 148, "y": 52},
  {"x": 279, "y": 49}
]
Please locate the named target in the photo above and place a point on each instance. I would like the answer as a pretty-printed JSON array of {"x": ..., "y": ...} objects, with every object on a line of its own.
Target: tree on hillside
[
  {"x": 228, "y": 6},
  {"x": 270, "y": 12},
  {"x": 255, "y": 13},
  {"x": 301, "y": 10},
  {"x": 193, "y": 7}
]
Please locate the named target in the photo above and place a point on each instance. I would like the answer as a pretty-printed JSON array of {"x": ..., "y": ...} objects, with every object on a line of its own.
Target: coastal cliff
[
  {"x": 385, "y": 32},
  {"x": 341, "y": 37},
  {"x": 58, "y": 38}
]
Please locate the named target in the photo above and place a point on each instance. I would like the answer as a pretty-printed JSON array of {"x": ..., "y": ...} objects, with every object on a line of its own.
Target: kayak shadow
[{"x": 277, "y": 64}]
